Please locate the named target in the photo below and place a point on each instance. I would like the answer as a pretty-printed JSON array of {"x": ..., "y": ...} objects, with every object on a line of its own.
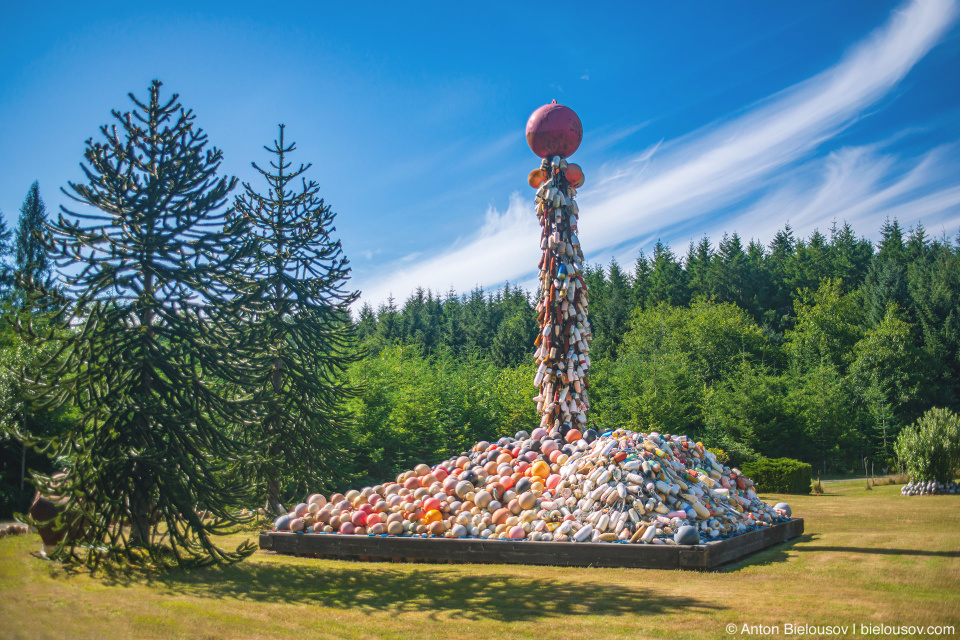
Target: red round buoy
[
  {"x": 574, "y": 175},
  {"x": 554, "y": 130}
]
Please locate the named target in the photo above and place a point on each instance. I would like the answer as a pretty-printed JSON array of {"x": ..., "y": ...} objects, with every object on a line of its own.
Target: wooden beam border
[{"x": 564, "y": 554}]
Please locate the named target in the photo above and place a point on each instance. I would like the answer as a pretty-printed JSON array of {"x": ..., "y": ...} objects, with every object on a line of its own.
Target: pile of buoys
[
  {"x": 930, "y": 488},
  {"x": 620, "y": 486},
  {"x": 14, "y": 530}
]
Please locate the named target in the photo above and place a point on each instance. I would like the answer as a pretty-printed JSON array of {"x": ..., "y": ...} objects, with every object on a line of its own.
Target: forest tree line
[{"x": 820, "y": 348}]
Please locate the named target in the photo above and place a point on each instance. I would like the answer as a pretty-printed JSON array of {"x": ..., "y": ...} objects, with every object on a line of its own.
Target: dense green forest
[{"x": 819, "y": 348}]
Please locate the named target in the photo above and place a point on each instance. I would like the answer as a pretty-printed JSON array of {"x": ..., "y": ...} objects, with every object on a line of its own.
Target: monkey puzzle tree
[
  {"x": 140, "y": 264},
  {"x": 299, "y": 338}
]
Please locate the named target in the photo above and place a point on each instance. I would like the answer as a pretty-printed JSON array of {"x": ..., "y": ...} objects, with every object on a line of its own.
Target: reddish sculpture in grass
[{"x": 554, "y": 130}]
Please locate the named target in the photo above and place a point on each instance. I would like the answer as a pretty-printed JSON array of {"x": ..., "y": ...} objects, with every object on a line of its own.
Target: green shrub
[
  {"x": 720, "y": 454},
  {"x": 930, "y": 448},
  {"x": 779, "y": 475}
]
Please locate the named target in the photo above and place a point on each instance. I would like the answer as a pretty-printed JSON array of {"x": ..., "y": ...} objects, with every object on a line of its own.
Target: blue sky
[{"x": 699, "y": 117}]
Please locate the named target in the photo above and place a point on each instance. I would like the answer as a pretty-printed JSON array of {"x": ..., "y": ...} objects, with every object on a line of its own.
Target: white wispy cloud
[
  {"x": 861, "y": 185},
  {"x": 768, "y": 150}
]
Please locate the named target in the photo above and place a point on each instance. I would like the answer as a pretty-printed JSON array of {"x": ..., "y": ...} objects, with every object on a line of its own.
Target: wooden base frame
[{"x": 565, "y": 554}]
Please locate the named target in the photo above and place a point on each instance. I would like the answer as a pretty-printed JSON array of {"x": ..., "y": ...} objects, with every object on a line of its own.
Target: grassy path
[{"x": 867, "y": 557}]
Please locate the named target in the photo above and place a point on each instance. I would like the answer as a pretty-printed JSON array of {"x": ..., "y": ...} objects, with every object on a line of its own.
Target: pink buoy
[
  {"x": 517, "y": 533},
  {"x": 359, "y": 518},
  {"x": 554, "y": 130},
  {"x": 431, "y": 504},
  {"x": 553, "y": 481},
  {"x": 347, "y": 528}
]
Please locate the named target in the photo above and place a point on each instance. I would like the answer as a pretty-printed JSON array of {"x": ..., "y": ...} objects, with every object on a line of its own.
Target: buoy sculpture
[
  {"x": 554, "y": 133},
  {"x": 563, "y": 482}
]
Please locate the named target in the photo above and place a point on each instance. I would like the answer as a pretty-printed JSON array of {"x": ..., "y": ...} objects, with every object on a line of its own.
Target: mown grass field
[{"x": 867, "y": 557}]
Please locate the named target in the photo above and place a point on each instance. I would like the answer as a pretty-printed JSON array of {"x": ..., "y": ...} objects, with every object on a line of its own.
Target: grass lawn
[{"x": 867, "y": 557}]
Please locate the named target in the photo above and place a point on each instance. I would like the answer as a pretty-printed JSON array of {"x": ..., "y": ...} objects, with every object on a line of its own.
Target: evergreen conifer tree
[
  {"x": 33, "y": 264},
  {"x": 299, "y": 335},
  {"x": 366, "y": 322},
  {"x": 451, "y": 331},
  {"x": 516, "y": 330},
  {"x": 388, "y": 321},
  {"x": 667, "y": 278},
  {"x": 612, "y": 324},
  {"x": 153, "y": 475},
  {"x": 641, "y": 281},
  {"x": 851, "y": 256},
  {"x": 5, "y": 271},
  {"x": 730, "y": 281},
  {"x": 697, "y": 267},
  {"x": 779, "y": 264}
]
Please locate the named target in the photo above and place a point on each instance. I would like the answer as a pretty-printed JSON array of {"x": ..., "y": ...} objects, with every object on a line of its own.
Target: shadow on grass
[
  {"x": 373, "y": 588},
  {"x": 886, "y": 552},
  {"x": 781, "y": 553},
  {"x": 772, "y": 555}
]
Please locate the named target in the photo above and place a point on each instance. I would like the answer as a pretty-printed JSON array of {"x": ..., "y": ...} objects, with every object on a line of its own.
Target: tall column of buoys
[{"x": 554, "y": 133}]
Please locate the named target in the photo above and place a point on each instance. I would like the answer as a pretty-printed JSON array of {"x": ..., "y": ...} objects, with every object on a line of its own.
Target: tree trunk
[
  {"x": 23, "y": 465},
  {"x": 140, "y": 520},
  {"x": 140, "y": 526},
  {"x": 273, "y": 506}
]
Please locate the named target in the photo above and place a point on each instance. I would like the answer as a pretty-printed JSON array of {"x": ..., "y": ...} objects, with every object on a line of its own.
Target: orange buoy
[
  {"x": 432, "y": 516},
  {"x": 540, "y": 469},
  {"x": 536, "y": 178}
]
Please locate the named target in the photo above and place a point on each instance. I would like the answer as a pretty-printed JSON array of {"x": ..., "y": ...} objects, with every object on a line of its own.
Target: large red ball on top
[{"x": 554, "y": 130}]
